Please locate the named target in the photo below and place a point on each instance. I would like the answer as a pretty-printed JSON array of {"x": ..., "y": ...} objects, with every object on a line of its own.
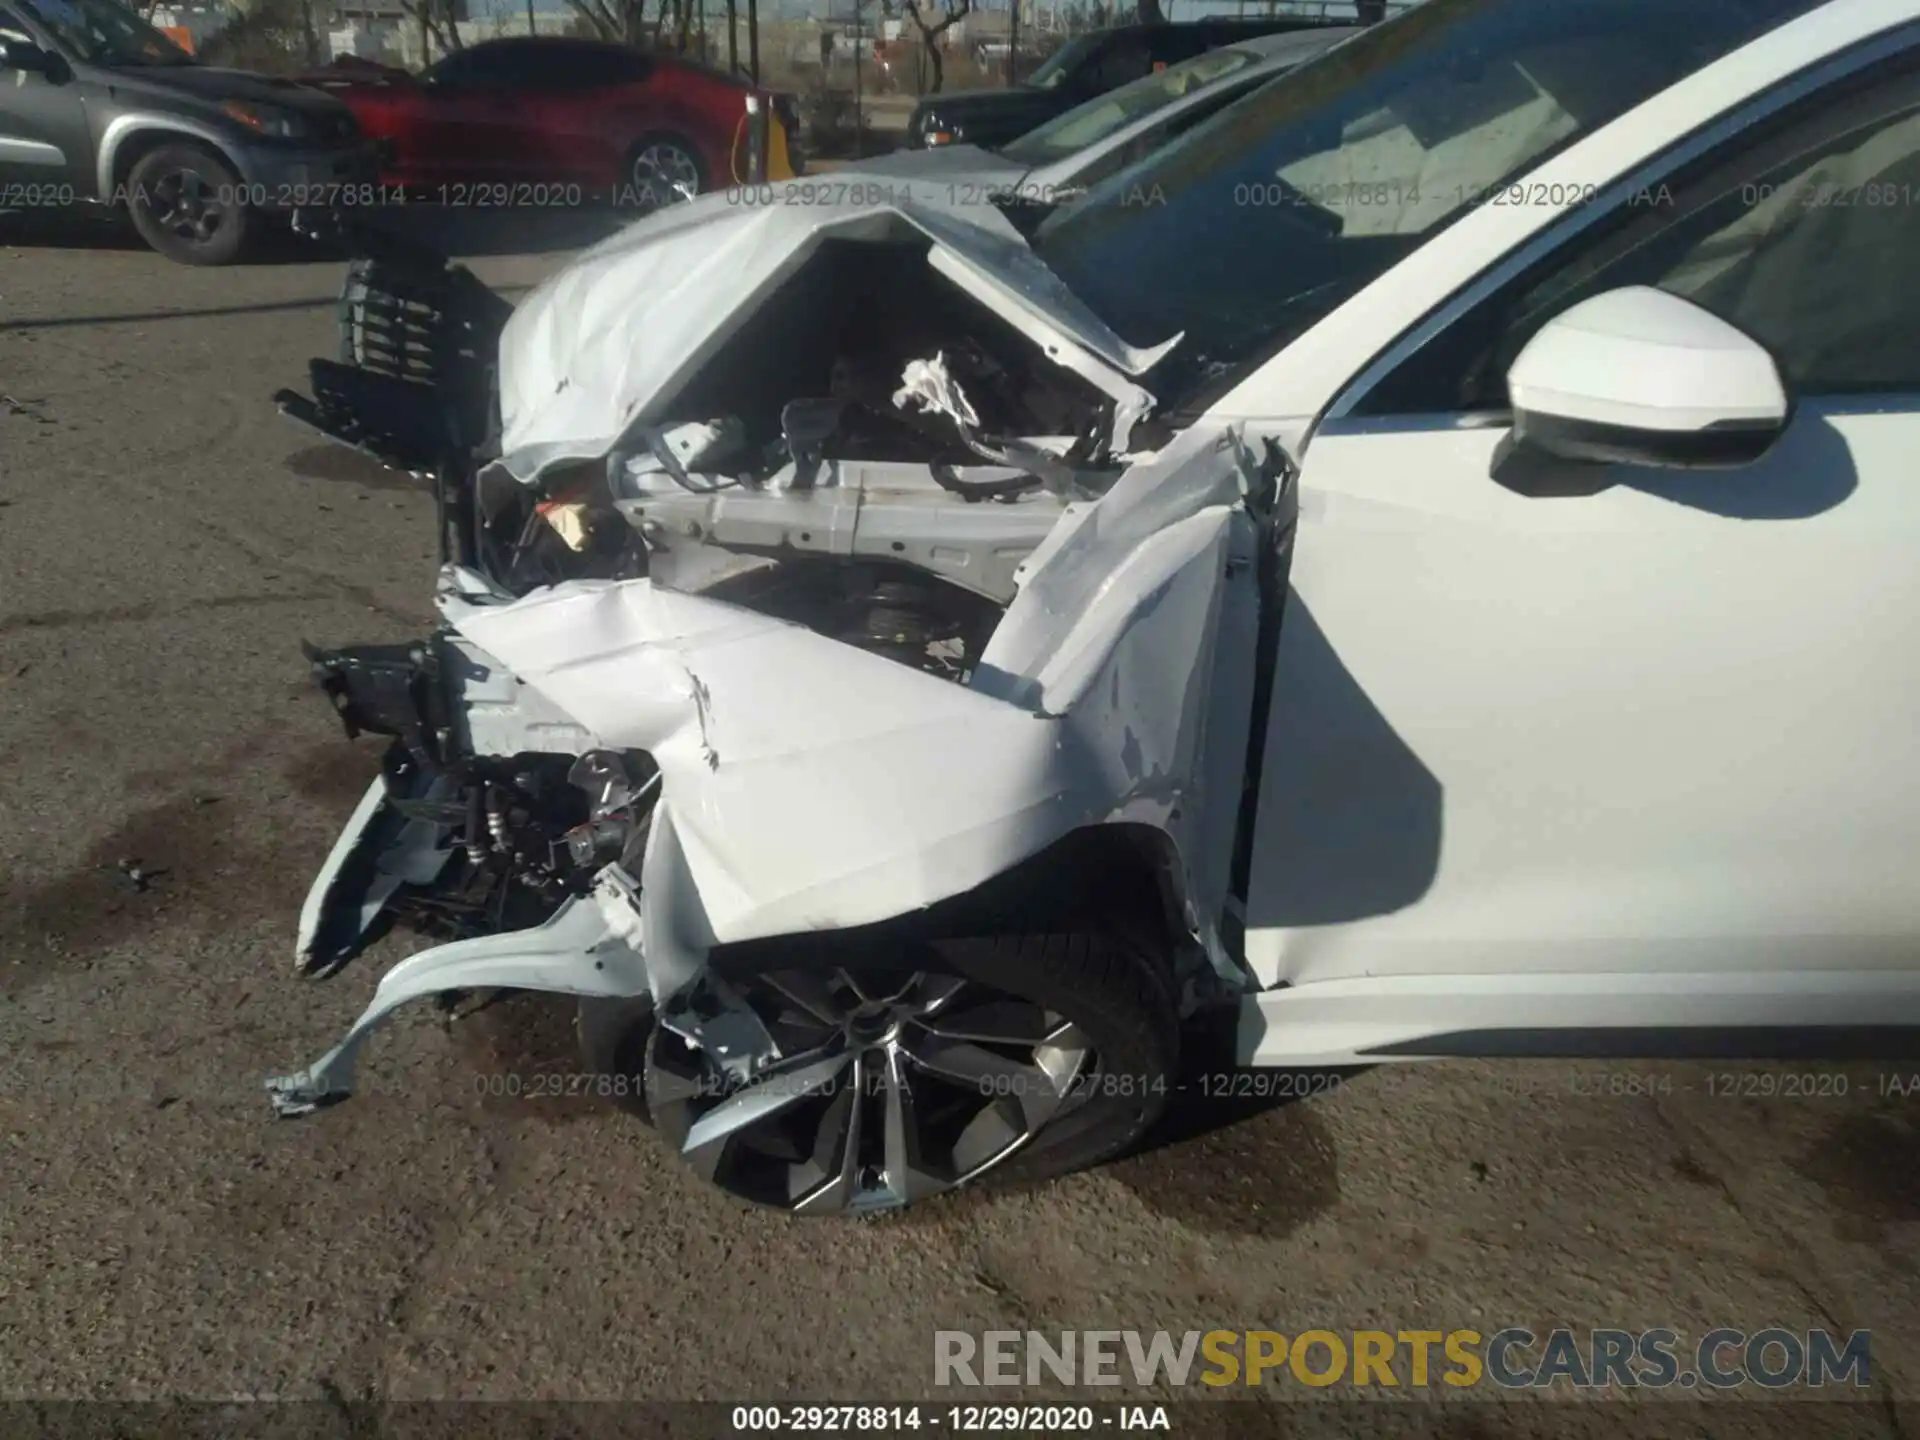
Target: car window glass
[
  {"x": 507, "y": 65},
  {"x": 1099, "y": 118},
  {"x": 1141, "y": 146},
  {"x": 485, "y": 65},
  {"x": 1447, "y": 137},
  {"x": 1128, "y": 58},
  {"x": 571, "y": 67},
  {"x": 1314, "y": 185},
  {"x": 105, "y": 33},
  {"x": 1801, "y": 234},
  {"x": 1176, "y": 43},
  {"x": 1064, "y": 62}
]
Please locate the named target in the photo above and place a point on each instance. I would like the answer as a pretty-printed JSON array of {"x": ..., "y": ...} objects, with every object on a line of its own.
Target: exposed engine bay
[
  {"x": 836, "y": 425},
  {"x": 698, "y": 660}
]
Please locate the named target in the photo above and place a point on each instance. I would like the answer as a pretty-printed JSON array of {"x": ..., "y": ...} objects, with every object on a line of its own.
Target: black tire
[
  {"x": 185, "y": 202},
  {"x": 643, "y": 160},
  {"x": 613, "y": 1043},
  {"x": 1117, "y": 996},
  {"x": 1136, "y": 1030}
]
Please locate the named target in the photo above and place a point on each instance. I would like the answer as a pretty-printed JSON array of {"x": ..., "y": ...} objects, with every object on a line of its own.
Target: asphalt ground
[{"x": 166, "y": 540}]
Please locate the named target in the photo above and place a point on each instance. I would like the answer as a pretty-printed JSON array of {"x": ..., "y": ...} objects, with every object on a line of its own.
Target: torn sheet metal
[
  {"x": 586, "y": 948},
  {"x": 806, "y": 784},
  {"x": 1085, "y": 574},
  {"x": 605, "y": 344},
  {"x": 811, "y": 785}
]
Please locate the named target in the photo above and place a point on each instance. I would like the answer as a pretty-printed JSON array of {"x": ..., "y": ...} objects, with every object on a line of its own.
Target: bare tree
[
  {"x": 269, "y": 36},
  {"x": 438, "y": 22},
  {"x": 309, "y": 32},
  {"x": 622, "y": 20},
  {"x": 923, "y": 13}
]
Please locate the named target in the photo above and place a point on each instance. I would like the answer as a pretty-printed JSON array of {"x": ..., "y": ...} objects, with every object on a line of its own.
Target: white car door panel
[
  {"x": 1670, "y": 711},
  {"x": 1666, "y": 726}
]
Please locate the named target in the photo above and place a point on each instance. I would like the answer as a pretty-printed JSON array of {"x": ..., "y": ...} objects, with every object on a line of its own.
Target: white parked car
[{"x": 1426, "y": 561}]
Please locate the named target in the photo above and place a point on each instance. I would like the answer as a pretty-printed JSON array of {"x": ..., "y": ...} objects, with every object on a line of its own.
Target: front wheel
[
  {"x": 1016, "y": 1057},
  {"x": 186, "y": 203}
]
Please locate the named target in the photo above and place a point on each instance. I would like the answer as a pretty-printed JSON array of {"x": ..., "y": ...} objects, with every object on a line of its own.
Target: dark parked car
[
  {"x": 98, "y": 108},
  {"x": 1086, "y": 66}
]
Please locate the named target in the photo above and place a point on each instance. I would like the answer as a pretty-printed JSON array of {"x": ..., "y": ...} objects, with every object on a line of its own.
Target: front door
[
  {"x": 1673, "y": 724},
  {"x": 45, "y": 148}
]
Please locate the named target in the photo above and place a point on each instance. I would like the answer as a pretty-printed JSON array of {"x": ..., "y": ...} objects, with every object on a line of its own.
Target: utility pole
[
  {"x": 753, "y": 40},
  {"x": 532, "y": 28},
  {"x": 733, "y": 37},
  {"x": 1013, "y": 40},
  {"x": 859, "y": 112}
]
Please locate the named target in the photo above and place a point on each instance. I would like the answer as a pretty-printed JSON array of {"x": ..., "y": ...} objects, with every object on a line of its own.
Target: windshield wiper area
[{"x": 1027, "y": 213}]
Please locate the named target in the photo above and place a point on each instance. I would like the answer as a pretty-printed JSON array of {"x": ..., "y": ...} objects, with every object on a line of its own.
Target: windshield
[
  {"x": 1314, "y": 185},
  {"x": 103, "y": 33},
  {"x": 1100, "y": 117},
  {"x": 1057, "y": 66}
]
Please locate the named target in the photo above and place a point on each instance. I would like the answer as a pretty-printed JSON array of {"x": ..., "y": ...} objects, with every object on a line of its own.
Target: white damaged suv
[{"x": 1425, "y": 563}]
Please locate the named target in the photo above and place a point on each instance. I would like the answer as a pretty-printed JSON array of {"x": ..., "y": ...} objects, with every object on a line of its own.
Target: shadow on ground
[{"x": 1235, "y": 1153}]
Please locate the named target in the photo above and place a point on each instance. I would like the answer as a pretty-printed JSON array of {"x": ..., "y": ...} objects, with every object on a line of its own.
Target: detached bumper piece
[
  {"x": 407, "y": 314},
  {"x": 396, "y": 422},
  {"x": 395, "y": 690},
  {"x": 414, "y": 382}
]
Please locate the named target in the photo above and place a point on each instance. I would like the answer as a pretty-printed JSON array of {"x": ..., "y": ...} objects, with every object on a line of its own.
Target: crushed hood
[{"x": 604, "y": 345}]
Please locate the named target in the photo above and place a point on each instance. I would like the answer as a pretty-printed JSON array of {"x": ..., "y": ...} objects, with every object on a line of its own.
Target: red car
[{"x": 537, "y": 120}]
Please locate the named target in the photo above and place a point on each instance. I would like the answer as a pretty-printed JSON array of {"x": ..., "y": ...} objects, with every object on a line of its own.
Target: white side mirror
[{"x": 1640, "y": 377}]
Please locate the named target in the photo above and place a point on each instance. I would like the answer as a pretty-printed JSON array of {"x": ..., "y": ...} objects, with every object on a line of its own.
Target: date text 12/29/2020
[
  {"x": 1406, "y": 194},
  {"x": 369, "y": 195},
  {"x": 959, "y": 1419}
]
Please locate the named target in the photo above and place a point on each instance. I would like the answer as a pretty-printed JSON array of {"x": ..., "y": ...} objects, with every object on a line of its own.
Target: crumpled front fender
[
  {"x": 809, "y": 785},
  {"x": 586, "y": 948}
]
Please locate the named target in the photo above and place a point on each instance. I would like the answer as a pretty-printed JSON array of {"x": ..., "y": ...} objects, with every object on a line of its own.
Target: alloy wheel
[
  {"x": 665, "y": 174},
  {"x": 185, "y": 203},
  {"x": 886, "y": 1088}
]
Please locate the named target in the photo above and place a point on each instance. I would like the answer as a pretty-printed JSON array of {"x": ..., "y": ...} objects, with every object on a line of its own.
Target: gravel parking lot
[{"x": 166, "y": 540}]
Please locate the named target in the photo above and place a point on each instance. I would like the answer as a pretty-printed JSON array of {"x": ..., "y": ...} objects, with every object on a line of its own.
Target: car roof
[
  {"x": 1290, "y": 42},
  {"x": 550, "y": 42},
  {"x": 1229, "y": 24}
]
